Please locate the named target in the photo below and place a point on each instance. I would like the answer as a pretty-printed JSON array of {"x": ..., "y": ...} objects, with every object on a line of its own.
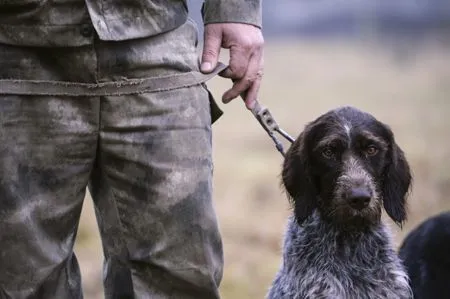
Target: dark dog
[
  {"x": 342, "y": 169},
  {"x": 425, "y": 253}
]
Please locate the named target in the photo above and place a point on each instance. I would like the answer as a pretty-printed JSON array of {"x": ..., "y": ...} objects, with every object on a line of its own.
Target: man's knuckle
[
  {"x": 209, "y": 52},
  {"x": 237, "y": 71},
  {"x": 256, "y": 43},
  {"x": 246, "y": 82},
  {"x": 259, "y": 43},
  {"x": 246, "y": 44}
]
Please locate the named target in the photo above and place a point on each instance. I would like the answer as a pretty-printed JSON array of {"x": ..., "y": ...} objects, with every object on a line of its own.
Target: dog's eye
[
  {"x": 372, "y": 150},
  {"x": 327, "y": 153}
]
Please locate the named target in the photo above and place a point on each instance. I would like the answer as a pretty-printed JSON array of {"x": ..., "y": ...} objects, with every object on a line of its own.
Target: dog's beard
[
  {"x": 343, "y": 216},
  {"x": 346, "y": 216},
  {"x": 338, "y": 209}
]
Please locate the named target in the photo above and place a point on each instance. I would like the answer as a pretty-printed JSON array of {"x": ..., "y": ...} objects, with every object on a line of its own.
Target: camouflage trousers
[{"x": 145, "y": 156}]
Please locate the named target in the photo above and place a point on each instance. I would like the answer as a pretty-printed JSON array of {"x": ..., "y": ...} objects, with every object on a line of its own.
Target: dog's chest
[
  {"x": 349, "y": 281},
  {"x": 320, "y": 266}
]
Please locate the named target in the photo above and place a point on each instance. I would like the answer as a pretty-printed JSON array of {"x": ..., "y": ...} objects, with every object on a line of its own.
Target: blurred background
[{"x": 389, "y": 58}]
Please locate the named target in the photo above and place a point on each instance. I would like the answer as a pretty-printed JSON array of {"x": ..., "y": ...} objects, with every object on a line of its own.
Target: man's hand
[{"x": 246, "y": 58}]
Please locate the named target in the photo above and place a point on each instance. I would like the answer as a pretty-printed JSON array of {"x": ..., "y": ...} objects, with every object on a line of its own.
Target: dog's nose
[{"x": 359, "y": 198}]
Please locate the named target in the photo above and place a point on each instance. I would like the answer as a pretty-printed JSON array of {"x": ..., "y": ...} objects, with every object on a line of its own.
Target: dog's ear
[
  {"x": 396, "y": 183},
  {"x": 297, "y": 180}
]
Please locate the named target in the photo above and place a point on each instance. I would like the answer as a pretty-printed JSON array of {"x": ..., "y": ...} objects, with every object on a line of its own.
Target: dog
[
  {"x": 339, "y": 174},
  {"x": 425, "y": 254}
]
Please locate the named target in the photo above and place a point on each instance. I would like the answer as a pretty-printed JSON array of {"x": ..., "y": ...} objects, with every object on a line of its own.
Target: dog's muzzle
[{"x": 355, "y": 186}]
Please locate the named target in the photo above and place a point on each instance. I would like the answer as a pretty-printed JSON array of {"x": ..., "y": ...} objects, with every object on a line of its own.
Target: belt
[{"x": 113, "y": 88}]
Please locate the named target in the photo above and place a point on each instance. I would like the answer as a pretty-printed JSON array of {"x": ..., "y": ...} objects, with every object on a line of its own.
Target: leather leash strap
[{"x": 136, "y": 86}]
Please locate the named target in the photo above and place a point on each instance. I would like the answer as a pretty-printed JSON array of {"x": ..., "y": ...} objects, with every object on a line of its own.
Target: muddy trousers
[{"x": 146, "y": 158}]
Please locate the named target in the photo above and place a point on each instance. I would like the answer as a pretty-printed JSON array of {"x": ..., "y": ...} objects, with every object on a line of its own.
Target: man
[{"x": 109, "y": 94}]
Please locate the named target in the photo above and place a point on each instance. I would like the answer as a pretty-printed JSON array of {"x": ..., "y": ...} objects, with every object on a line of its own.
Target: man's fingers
[
  {"x": 211, "y": 48},
  {"x": 241, "y": 86},
  {"x": 239, "y": 61},
  {"x": 251, "y": 95}
]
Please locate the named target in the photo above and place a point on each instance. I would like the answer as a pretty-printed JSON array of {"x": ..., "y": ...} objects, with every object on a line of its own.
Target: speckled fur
[
  {"x": 333, "y": 248},
  {"x": 321, "y": 262}
]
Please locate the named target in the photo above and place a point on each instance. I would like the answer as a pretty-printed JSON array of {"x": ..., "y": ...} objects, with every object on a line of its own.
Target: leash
[
  {"x": 133, "y": 86},
  {"x": 266, "y": 120}
]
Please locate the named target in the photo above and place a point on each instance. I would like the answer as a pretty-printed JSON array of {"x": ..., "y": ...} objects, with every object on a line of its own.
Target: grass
[{"x": 303, "y": 80}]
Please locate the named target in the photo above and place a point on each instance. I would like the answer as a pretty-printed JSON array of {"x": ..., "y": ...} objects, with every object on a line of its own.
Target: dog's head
[{"x": 347, "y": 165}]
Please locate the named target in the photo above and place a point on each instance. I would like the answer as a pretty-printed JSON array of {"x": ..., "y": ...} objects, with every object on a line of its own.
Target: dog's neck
[
  {"x": 337, "y": 239},
  {"x": 355, "y": 231}
]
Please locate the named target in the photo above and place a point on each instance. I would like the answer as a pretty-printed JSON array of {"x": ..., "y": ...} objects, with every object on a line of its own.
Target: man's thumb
[{"x": 211, "y": 48}]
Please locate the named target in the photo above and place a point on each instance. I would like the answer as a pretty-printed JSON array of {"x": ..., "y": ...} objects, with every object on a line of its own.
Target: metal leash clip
[{"x": 265, "y": 118}]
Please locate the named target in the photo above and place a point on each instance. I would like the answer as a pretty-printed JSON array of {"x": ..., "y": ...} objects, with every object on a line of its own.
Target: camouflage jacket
[{"x": 72, "y": 22}]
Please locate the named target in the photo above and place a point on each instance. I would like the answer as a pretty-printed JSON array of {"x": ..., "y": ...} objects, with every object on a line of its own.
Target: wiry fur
[
  {"x": 321, "y": 262},
  {"x": 336, "y": 245}
]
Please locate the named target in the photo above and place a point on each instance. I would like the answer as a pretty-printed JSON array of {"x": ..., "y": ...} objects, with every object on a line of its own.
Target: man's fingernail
[{"x": 206, "y": 66}]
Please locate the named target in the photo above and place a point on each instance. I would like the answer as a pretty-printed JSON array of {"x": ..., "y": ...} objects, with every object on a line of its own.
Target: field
[{"x": 303, "y": 80}]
